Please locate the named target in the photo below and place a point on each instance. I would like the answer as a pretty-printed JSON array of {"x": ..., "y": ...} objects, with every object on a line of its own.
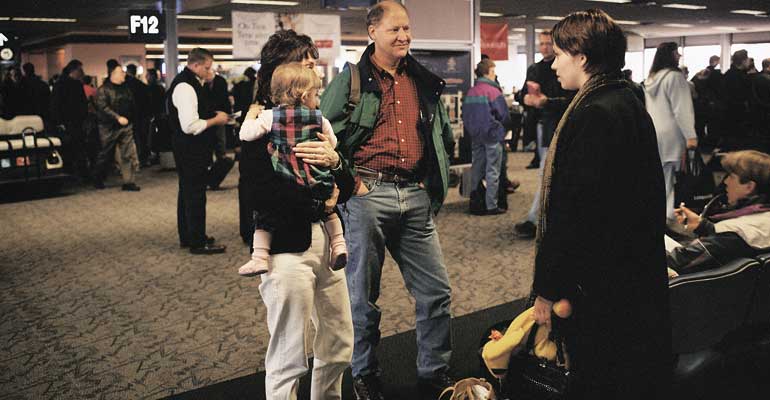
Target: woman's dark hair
[
  {"x": 594, "y": 34},
  {"x": 282, "y": 47},
  {"x": 664, "y": 57},
  {"x": 71, "y": 66}
]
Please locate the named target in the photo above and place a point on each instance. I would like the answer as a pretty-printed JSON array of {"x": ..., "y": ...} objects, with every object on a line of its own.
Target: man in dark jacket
[
  {"x": 548, "y": 102},
  {"x": 243, "y": 93},
  {"x": 737, "y": 91},
  {"x": 69, "y": 108},
  {"x": 190, "y": 119},
  {"x": 396, "y": 141},
  {"x": 220, "y": 101},
  {"x": 160, "y": 138},
  {"x": 116, "y": 110},
  {"x": 37, "y": 93},
  {"x": 141, "y": 119}
]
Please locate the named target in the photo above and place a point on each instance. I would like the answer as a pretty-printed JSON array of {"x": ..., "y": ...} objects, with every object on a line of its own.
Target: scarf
[{"x": 593, "y": 85}]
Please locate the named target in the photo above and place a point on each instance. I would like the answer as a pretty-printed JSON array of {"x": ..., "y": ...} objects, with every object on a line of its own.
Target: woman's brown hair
[
  {"x": 594, "y": 34},
  {"x": 749, "y": 165}
]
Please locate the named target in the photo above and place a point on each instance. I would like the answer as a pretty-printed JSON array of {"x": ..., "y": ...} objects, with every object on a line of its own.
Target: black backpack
[{"x": 354, "y": 96}]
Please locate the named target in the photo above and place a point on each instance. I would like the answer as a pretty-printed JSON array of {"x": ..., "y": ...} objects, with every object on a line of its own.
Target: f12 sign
[{"x": 147, "y": 26}]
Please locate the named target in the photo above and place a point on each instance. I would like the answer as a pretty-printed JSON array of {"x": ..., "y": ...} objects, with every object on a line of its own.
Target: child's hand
[
  {"x": 254, "y": 111},
  {"x": 329, "y": 204}
]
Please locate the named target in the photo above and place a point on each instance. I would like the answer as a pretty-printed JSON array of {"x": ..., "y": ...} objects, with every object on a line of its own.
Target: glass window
[
  {"x": 696, "y": 58},
  {"x": 757, "y": 51},
  {"x": 512, "y": 73},
  {"x": 635, "y": 62}
]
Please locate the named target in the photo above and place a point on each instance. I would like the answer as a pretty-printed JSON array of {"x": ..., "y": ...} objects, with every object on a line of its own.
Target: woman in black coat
[{"x": 600, "y": 237}]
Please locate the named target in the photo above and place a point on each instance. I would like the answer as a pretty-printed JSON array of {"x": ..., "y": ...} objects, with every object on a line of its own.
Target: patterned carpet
[{"x": 98, "y": 301}]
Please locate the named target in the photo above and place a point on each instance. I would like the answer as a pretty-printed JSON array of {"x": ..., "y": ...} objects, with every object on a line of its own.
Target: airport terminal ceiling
[{"x": 648, "y": 19}]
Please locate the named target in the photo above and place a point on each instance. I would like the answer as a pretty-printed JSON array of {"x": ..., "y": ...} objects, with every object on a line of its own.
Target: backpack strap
[{"x": 354, "y": 97}]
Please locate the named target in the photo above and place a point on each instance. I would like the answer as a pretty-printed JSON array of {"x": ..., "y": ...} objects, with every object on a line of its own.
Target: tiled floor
[{"x": 98, "y": 301}]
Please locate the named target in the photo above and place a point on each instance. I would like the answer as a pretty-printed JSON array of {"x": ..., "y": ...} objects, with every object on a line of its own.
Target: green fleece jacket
[{"x": 354, "y": 128}]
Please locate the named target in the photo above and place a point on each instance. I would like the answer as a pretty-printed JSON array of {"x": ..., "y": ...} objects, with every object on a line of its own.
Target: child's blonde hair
[{"x": 290, "y": 82}]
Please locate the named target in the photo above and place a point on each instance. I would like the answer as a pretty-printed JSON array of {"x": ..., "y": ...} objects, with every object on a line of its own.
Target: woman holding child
[{"x": 299, "y": 284}]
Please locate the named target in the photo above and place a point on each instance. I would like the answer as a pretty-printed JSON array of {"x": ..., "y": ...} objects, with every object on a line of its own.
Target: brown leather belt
[{"x": 384, "y": 176}]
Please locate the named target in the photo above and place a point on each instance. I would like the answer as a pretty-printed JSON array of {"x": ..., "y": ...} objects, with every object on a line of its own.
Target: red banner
[{"x": 494, "y": 41}]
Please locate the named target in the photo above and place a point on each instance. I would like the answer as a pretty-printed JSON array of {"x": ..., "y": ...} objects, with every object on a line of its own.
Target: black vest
[{"x": 205, "y": 107}]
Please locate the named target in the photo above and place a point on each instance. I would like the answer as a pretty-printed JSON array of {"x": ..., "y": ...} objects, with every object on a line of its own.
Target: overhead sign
[
  {"x": 324, "y": 29},
  {"x": 146, "y": 26},
  {"x": 494, "y": 41},
  {"x": 251, "y": 31},
  {"x": 9, "y": 48}
]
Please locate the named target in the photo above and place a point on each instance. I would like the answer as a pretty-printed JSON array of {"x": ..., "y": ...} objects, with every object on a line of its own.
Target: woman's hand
[
  {"x": 320, "y": 154},
  {"x": 543, "y": 311},
  {"x": 687, "y": 217},
  {"x": 254, "y": 111}
]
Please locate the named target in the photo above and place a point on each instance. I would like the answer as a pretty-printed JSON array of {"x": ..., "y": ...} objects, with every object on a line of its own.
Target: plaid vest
[{"x": 293, "y": 125}]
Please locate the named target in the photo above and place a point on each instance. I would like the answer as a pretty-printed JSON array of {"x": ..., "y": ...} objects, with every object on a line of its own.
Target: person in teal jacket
[{"x": 396, "y": 142}]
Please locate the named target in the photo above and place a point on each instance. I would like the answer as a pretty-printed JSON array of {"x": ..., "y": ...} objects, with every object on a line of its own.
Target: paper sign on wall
[{"x": 250, "y": 32}]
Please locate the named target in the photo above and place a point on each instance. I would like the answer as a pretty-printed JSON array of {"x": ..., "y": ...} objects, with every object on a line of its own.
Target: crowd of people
[
  {"x": 607, "y": 149},
  {"x": 126, "y": 112}
]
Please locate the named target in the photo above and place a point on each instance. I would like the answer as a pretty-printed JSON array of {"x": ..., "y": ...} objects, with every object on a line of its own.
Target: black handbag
[
  {"x": 530, "y": 377},
  {"x": 694, "y": 182}
]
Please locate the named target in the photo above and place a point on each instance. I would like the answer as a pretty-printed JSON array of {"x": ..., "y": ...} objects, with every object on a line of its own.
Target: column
[{"x": 170, "y": 45}]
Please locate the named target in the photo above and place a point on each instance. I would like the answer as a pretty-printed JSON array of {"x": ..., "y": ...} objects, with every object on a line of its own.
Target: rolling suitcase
[{"x": 219, "y": 171}]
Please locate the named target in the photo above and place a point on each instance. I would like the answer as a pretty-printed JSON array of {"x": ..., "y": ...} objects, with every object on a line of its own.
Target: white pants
[
  {"x": 300, "y": 288},
  {"x": 669, "y": 176}
]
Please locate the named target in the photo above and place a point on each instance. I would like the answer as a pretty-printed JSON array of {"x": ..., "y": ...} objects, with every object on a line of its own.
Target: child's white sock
[
  {"x": 339, "y": 252},
  {"x": 259, "y": 257}
]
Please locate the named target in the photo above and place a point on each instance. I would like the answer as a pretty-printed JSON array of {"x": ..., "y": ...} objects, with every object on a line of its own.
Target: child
[{"x": 296, "y": 119}]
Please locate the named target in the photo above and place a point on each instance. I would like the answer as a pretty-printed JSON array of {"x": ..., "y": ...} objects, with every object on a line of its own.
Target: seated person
[{"x": 739, "y": 228}]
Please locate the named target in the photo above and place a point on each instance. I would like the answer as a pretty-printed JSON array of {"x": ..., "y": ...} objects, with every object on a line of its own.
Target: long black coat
[{"x": 603, "y": 246}]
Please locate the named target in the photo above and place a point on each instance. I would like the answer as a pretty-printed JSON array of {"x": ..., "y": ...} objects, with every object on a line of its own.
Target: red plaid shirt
[{"x": 396, "y": 146}]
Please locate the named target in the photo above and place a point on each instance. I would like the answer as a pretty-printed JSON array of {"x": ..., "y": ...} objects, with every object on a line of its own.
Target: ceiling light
[
  {"x": 5, "y": 18},
  {"x": 192, "y": 46},
  {"x": 224, "y": 29},
  {"x": 266, "y": 2},
  {"x": 684, "y": 6},
  {"x": 678, "y": 25},
  {"x": 550, "y": 18},
  {"x": 121, "y": 27},
  {"x": 217, "y": 57},
  {"x": 725, "y": 28},
  {"x": 203, "y": 17},
  {"x": 748, "y": 12},
  {"x": 519, "y": 29},
  {"x": 612, "y": 1},
  {"x": 626, "y": 22},
  {"x": 28, "y": 19},
  {"x": 490, "y": 14}
]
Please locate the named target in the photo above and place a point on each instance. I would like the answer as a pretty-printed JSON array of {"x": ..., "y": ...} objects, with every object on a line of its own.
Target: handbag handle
[{"x": 530, "y": 345}]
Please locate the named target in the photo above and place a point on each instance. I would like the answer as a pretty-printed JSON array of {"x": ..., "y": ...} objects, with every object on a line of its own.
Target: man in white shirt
[{"x": 190, "y": 116}]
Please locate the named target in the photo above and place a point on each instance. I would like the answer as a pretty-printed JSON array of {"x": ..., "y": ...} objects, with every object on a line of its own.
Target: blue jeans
[
  {"x": 534, "y": 210},
  {"x": 399, "y": 218},
  {"x": 487, "y": 161}
]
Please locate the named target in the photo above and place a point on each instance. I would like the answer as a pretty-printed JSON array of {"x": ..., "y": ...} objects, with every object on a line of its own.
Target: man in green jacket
[{"x": 395, "y": 140}]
